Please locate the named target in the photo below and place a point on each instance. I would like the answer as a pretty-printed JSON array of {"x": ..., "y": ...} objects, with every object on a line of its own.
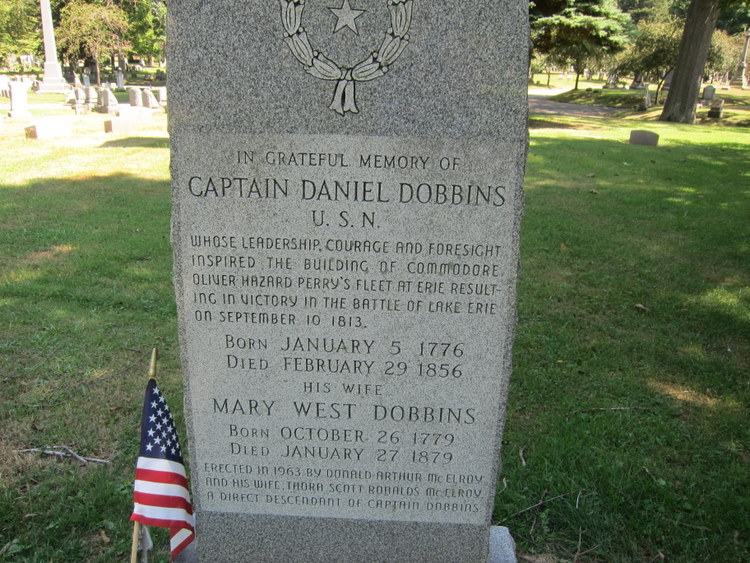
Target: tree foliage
[
  {"x": 734, "y": 17},
  {"x": 92, "y": 30},
  {"x": 148, "y": 22},
  {"x": 725, "y": 53},
  {"x": 20, "y": 28},
  {"x": 653, "y": 51},
  {"x": 581, "y": 33}
]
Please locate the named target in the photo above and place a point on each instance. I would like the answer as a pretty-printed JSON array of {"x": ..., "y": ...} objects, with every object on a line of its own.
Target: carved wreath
[{"x": 320, "y": 66}]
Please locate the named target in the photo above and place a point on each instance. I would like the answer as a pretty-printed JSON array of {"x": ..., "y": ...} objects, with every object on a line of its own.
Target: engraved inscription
[{"x": 344, "y": 309}]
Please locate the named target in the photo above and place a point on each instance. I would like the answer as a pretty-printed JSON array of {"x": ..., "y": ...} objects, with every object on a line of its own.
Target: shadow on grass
[
  {"x": 144, "y": 142},
  {"x": 535, "y": 123}
]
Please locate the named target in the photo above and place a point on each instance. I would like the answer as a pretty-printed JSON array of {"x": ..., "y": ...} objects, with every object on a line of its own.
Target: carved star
[{"x": 346, "y": 16}]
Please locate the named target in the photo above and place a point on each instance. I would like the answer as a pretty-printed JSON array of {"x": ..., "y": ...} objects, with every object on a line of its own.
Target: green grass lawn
[
  {"x": 627, "y": 436},
  {"x": 631, "y": 394}
]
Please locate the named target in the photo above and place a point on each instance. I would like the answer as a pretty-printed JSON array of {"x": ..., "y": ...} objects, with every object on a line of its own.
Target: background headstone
[
  {"x": 19, "y": 100},
  {"x": 49, "y": 128},
  {"x": 161, "y": 95},
  {"x": 148, "y": 99},
  {"x": 134, "y": 96},
  {"x": 346, "y": 231},
  {"x": 709, "y": 92},
  {"x": 80, "y": 96},
  {"x": 120, "y": 80},
  {"x": 646, "y": 103},
  {"x": 717, "y": 109},
  {"x": 4, "y": 86},
  {"x": 92, "y": 96},
  {"x": 641, "y": 137},
  {"x": 107, "y": 102},
  {"x": 119, "y": 125}
]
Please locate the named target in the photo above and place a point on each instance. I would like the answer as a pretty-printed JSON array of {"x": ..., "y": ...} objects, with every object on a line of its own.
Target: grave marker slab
[
  {"x": 107, "y": 102},
  {"x": 119, "y": 125},
  {"x": 148, "y": 100},
  {"x": 717, "y": 109},
  {"x": 92, "y": 95},
  {"x": 709, "y": 92},
  {"x": 642, "y": 137},
  {"x": 19, "y": 100},
  {"x": 346, "y": 210},
  {"x": 49, "y": 128},
  {"x": 134, "y": 96}
]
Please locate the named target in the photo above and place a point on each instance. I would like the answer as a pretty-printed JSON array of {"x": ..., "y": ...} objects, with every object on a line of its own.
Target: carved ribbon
[{"x": 343, "y": 97}]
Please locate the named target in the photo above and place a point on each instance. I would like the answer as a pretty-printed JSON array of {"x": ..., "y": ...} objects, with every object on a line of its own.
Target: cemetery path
[{"x": 540, "y": 103}]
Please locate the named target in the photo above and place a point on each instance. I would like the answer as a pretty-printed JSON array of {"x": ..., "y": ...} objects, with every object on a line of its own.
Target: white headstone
[
  {"x": 19, "y": 101},
  {"x": 134, "y": 96}
]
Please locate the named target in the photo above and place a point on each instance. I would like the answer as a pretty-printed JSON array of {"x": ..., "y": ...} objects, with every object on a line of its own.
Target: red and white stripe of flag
[{"x": 162, "y": 499}]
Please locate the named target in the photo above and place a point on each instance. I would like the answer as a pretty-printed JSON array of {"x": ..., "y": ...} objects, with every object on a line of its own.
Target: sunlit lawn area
[
  {"x": 627, "y": 435},
  {"x": 736, "y": 101}
]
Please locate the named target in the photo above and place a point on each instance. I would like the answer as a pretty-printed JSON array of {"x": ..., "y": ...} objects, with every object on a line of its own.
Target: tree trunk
[
  {"x": 658, "y": 90},
  {"x": 691, "y": 61}
]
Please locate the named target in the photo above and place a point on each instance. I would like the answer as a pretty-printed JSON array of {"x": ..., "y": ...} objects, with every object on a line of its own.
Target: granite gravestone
[
  {"x": 148, "y": 100},
  {"x": 709, "y": 92},
  {"x": 346, "y": 182},
  {"x": 134, "y": 96}
]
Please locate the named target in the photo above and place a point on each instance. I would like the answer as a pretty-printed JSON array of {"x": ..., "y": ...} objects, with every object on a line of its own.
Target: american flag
[{"x": 161, "y": 495}]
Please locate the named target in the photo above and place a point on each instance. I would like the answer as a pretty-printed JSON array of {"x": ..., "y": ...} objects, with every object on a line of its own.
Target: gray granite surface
[{"x": 346, "y": 181}]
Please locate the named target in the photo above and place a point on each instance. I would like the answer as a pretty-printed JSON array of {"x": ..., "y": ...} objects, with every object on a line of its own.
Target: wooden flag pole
[
  {"x": 134, "y": 545},
  {"x": 136, "y": 524}
]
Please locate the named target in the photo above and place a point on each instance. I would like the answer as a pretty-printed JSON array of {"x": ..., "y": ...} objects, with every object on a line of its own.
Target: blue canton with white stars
[{"x": 158, "y": 433}]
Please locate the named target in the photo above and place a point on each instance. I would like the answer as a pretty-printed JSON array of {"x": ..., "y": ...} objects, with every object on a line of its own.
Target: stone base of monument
[
  {"x": 277, "y": 539},
  {"x": 502, "y": 546},
  {"x": 53, "y": 81}
]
